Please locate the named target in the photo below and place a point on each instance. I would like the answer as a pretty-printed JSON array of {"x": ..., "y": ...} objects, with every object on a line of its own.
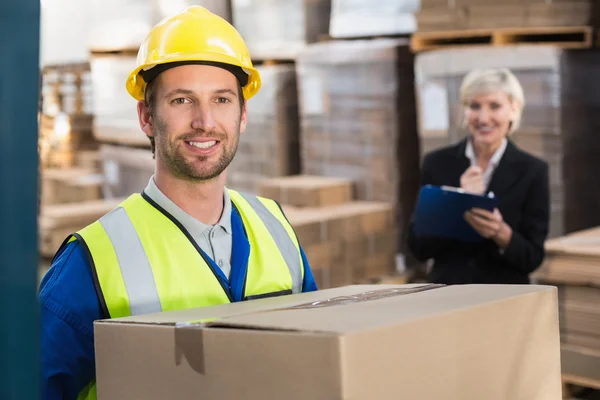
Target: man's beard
[{"x": 180, "y": 167}]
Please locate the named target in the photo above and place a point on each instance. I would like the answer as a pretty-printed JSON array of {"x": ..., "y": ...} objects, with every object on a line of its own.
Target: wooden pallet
[
  {"x": 329, "y": 38},
  {"x": 576, "y": 37},
  {"x": 272, "y": 61}
]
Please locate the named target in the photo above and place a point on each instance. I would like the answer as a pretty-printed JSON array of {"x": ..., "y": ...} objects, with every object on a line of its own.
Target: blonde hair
[{"x": 491, "y": 80}]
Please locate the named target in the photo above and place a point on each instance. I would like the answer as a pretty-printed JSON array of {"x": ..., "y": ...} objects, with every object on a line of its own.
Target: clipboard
[{"x": 440, "y": 212}]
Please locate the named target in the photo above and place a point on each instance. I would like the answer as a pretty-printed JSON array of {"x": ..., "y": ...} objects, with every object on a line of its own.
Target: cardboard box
[
  {"x": 359, "y": 342},
  {"x": 307, "y": 191}
]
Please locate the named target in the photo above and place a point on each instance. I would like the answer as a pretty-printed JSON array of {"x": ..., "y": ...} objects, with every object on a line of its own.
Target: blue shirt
[{"x": 69, "y": 306}]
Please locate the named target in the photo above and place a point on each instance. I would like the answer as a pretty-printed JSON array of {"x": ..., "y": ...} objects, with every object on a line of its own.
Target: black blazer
[{"x": 521, "y": 183}]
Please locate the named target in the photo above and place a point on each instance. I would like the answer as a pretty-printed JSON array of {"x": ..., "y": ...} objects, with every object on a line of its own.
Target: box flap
[
  {"x": 197, "y": 315},
  {"x": 378, "y": 309},
  {"x": 341, "y": 310}
]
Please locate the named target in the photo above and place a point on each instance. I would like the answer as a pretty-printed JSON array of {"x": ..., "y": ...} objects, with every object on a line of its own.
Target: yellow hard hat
[{"x": 194, "y": 36}]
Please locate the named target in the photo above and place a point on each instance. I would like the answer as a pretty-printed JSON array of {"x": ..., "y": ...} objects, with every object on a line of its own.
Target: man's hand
[
  {"x": 490, "y": 225},
  {"x": 472, "y": 180}
]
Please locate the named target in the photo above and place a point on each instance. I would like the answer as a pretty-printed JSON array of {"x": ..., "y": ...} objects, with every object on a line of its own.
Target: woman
[{"x": 488, "y": 161}]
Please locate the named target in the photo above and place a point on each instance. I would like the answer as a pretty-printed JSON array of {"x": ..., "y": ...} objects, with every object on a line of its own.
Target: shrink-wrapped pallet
[
  {"x": 360, "y": 18},
  {"x": 116, "y": 119},
  {"x": 123, "y": 24},
  {"x": 276, "y": 29},
  {"x": 126, "y": 170},
  {"x": 269, "y": 146},
  {"x": 558, "y": 124},
  {"x": 358, "y": 119}
]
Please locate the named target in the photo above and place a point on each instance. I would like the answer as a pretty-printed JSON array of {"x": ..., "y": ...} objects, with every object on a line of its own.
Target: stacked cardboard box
[
  {"x": 123, "y": 24},
  {"x": 358, "y": 119},
  {"x": 275, "y": 29},
  {"x": 67, "y": 89},
  {"x": 359, "y": 18},
  {"x": 58, "y": 221},
  {"x": 270, "y": 145},
  {"x": 437, "y": 15},
  {"x": 573, "y": 264},
  {"x": 72, "y": 185},
  {"x": 126, "y": 170},
  {"x": 558, "y": 123},
  {"x": 346, "y": 241},
  {"x": 62, "y": 137}
]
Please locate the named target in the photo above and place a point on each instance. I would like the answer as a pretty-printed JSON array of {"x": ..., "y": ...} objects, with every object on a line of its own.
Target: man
[{"x": 186, "y": 241}]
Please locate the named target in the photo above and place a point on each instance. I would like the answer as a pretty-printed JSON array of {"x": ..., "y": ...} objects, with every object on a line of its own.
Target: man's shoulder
[{"x": 69, "y": 268}]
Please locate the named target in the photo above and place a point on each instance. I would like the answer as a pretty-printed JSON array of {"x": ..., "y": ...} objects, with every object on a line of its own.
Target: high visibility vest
[{"x": 144, "y": 261}]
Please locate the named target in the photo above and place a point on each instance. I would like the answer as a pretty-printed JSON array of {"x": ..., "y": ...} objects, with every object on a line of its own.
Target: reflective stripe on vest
[{"x": 146, "y": 263}]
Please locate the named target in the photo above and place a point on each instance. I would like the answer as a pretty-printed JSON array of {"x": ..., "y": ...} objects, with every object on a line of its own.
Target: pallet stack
[
  {"x": 358, "y": 120},
  {"x": 65, "y": 115},
  {"x": 275, "y": 32},
  {"x": 573, "y": 264},
  {"x": 439, "y": 15},
  {"x": 270, "y": 145},
  {"x": 558, "y": 124},
  {"x": 345, "y": 240}
]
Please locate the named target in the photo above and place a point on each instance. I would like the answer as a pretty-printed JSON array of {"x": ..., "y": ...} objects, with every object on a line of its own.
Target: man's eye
[
  {"x": 222, "y": 100},
  {"x": 180, "y": 100}
]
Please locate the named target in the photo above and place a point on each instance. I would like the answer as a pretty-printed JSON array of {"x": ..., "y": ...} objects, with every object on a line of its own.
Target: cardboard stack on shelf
[
  {"x": 439, "y": 15},
  {"x": 275, "y": 29},
  {"x": 360, "y": 18},
  {"x": 66, "y": 118},
  {"x": 558, "y": 93},
  {"x": 270, "y": 145},
  {"x": 358, "y": 120},
  {"x": 345, "y": 240},
  {"x": 69, "y": 166},
  {"x": 573, "y": 264}
]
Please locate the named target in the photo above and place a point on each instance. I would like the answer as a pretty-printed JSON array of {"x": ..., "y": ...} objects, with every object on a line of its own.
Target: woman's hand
[
  {"x": 490, "y": 225},
  {"x": 472, "y": 180}
]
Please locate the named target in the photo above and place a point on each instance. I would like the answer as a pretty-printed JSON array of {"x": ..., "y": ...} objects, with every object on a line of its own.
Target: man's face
[{"x": 196, "y": 121}]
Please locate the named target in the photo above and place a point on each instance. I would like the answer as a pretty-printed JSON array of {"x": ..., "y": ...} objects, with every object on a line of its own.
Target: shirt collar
[
  {"x": 496, "y": 157},
  {"x": 190, "y": 223}
]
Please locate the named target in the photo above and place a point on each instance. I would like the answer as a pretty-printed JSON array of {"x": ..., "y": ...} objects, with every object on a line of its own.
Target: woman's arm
[{"x": 525, "y": 249}]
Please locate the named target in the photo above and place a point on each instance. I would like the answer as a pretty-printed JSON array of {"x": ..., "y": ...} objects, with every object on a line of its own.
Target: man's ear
[
  {"x": 244, "y": 117},
  {"x": 145, "y": 118}
]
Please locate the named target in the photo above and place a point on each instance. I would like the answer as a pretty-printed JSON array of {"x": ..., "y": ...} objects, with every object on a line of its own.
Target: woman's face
[{"x": 488, "y": 117}]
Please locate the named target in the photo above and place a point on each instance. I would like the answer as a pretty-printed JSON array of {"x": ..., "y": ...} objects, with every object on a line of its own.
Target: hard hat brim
[{"x": 136, "y": 85}]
